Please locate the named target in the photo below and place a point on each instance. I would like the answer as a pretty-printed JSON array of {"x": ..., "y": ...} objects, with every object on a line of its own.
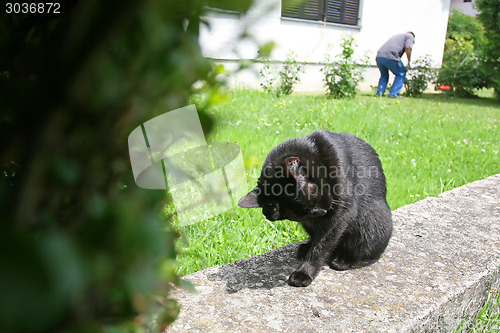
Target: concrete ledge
[{"x": 438, "y": 268}]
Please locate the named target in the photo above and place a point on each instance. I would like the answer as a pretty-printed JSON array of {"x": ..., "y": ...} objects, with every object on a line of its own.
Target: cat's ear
[
  {"x": 250, "y": 200},
  {"x": 292, "y": 165}
]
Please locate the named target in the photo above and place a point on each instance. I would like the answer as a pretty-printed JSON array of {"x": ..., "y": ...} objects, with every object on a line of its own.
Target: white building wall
[
  {"x": 312, "y": 41},
  {"x": 468, "y": 8}
]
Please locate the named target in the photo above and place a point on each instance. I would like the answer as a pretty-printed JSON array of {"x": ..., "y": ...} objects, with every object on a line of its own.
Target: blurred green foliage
[
  {"x": 490, "y": 17},
  {"x": 82, "y": 248},
  {"x": 463, "y": 66}
]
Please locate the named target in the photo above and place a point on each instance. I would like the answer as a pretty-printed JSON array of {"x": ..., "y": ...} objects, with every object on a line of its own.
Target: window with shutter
[
  {"x": 334, "y": 11},
  {"x": 307, "y": 10},
  {"x": 351, "y": 12}
]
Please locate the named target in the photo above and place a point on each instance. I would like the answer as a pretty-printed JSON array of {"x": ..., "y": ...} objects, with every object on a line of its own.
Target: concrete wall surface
[{"x": 438, "y": 268}]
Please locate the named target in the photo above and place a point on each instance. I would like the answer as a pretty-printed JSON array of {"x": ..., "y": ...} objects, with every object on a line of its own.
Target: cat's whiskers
[{"x": 338, "y": 203}]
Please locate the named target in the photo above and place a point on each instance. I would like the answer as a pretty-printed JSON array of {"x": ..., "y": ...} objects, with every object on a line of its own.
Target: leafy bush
[
  {"x": 342, "y": 74},
  {"x": 282, "y": 82},
  {"x": 289, "y": 75},
  {"x": 463, "y": 61},
  {"x": 268, "y": 77},
  {"x": 489, "y": 15},
  {"x": 418, "y": 77}
]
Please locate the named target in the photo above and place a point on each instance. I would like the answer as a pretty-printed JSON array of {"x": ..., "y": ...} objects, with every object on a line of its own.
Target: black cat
[{"x": 334, "y": 185}]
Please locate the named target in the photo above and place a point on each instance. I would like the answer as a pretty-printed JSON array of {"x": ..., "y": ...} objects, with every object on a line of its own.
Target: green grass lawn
[{"x": 426, "y": 145}]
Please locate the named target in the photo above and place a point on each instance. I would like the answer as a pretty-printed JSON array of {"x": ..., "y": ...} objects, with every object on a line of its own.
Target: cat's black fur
[{"x": 333, "y": 184}]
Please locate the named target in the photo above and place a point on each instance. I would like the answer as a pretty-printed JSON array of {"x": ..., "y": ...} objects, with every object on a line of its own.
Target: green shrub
[
  {"x": 463, "y": 60},
  {"x": 418, "y": 77},
  {"x": 490, "y": 17},
  {"x": 343, "y": 73},
  {"x": 268, "y": 77},
  {"x": 281, "y": 82}
]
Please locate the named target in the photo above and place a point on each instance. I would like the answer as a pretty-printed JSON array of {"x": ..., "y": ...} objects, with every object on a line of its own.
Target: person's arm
[{"x": 408, "y": 54}]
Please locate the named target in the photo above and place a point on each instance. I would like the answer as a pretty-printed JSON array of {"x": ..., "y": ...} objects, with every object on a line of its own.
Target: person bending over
[{"x": 389, "y": 59}]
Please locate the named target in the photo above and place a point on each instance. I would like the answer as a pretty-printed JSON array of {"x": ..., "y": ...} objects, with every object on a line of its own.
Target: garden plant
[
  {"x": 489, "y": 13},
  {"x": 343, "y": 73},
  {"x": 464, "y": 63},
  {"x": 282, "y": 81},
  {"x": 418, "y": 77}
]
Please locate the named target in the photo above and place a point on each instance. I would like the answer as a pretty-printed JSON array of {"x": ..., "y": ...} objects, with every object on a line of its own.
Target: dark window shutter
[
  {"x": 334, "y": 11},
  {"x": 313, "y": 9},
  {"x": 342, "y": 11},
  {"x": 307, "y": 10},
  {"x": 290, "y": 8},
  {"x": 351, "y": 10}
]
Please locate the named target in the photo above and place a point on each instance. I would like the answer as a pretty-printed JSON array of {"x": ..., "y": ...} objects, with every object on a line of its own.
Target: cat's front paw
[{"x": 299, "y": 279}]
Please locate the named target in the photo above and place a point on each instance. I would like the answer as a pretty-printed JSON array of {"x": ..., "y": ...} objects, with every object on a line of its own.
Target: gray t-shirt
[{"x": 394, "y": 48}]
